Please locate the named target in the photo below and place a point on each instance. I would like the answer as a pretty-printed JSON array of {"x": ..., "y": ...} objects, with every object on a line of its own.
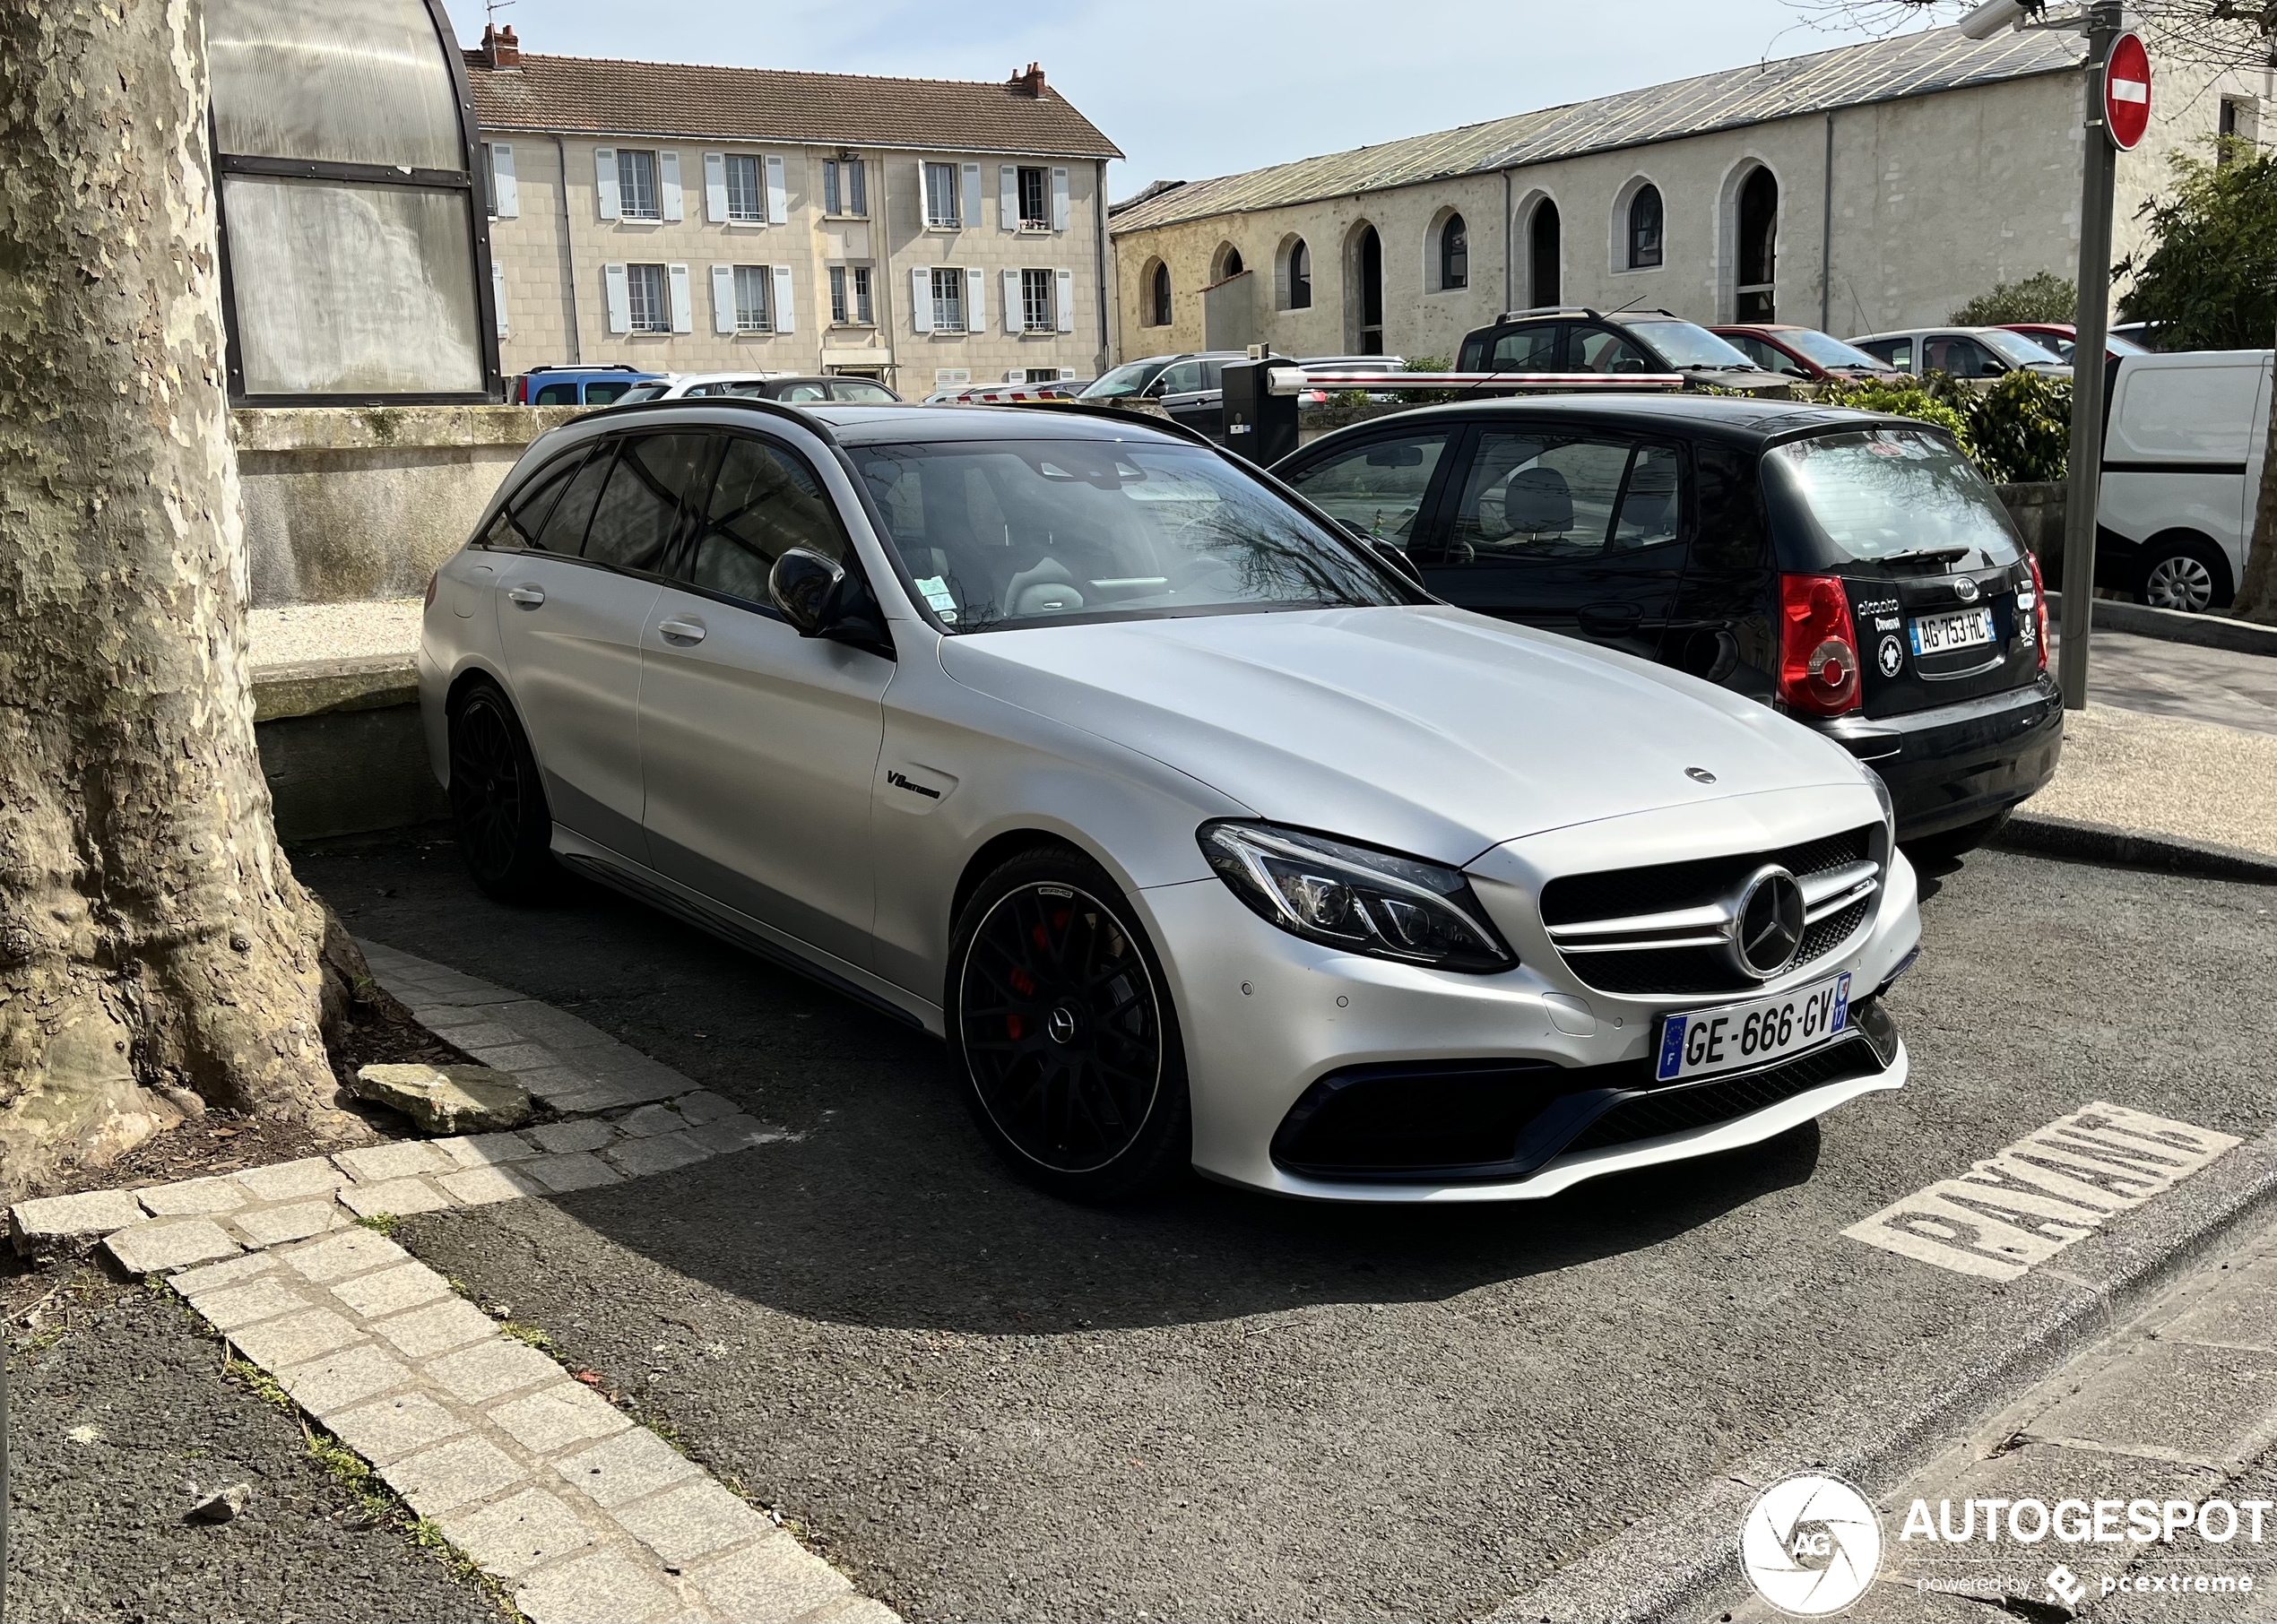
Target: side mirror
[
  {"x": 801, "y": 584},
  {"x": 1397, "y": 559}
]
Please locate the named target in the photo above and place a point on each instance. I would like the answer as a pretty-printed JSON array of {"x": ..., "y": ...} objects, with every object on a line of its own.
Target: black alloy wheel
[
  {"x": 504, "y": 828},
  {"x": 1070, "y": 1049}
]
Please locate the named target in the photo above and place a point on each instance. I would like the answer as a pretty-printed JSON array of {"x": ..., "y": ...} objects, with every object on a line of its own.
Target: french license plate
[
  {"x": 1961, "y": 629},
  {"x": 1710, "y": 1041}
]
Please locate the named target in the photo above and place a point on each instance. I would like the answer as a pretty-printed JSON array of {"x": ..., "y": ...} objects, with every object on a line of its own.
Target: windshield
[
  {"x": 1682, "y": 344},
  {"x": 2014, "y": 348},
  {"x": 1129, "y": 379},
  {"x": 638, "y": 393},
  {"x": 1828, "y": 352},
  {"x": 1022, "y": 532},
  {"x": 1880, "y": 493}
]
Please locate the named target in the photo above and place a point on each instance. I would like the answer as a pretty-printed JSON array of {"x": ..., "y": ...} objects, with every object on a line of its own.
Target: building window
[
  {"x": 1454, "y": 254},
  {"x": 940, "y": 196},
  {"x": 1644, "y": 228},
  {"x": 948, "y": 297},
  {"x": 1300, "y": 277},
  {"x": 843, "y": 191},
  {"x": 1036, "y": 302},
  {"x": 650, "y": 307},
  {"x": 1035, "y": 201},
  {"x": 636, "y": 185},
  {"x": 1158, "y": 295},
  {"x": 850, "y": 296},
  {"x": 744, "y": 201},
  {"x": 752, "y": 284},
  {"x": 1230, "y": 266}
]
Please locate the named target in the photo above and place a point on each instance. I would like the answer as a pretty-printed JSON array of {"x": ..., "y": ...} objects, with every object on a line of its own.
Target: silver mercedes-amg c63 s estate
[{"x": 1192, "y": 824}]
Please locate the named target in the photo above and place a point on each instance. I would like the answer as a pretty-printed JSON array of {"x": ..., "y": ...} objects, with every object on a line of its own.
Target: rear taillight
[
  {"x": 2039, "y": 607},
  {"x": 1818, "y": 646},
  {"x": 432, "y": 574}
]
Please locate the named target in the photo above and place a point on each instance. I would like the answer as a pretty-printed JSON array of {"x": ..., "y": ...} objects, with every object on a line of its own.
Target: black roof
[{"x": 1741, "y": 420}]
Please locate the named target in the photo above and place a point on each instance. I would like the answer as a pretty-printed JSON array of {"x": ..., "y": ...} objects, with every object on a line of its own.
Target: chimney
[
  {"x": 1030, "y": 84},
  {"x": 501, "y": 50}
]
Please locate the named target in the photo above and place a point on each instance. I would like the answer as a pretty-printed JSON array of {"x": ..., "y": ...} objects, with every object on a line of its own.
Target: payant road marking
[{"x": 2022, "y": 1206}]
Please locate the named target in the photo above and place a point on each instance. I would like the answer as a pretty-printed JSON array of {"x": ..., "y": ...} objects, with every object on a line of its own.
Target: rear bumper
[{"x": 1959, "y": 764}]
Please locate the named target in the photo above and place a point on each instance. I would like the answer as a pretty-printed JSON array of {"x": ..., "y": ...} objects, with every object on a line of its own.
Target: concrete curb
[
  {"x": 2078, "y": 840},
  {"x": 2205, "y": 631},
  {"x": 1683, "y": 1562}
]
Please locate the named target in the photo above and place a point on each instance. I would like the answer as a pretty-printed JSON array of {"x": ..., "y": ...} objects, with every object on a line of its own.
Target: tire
[
  {"x": 2182, "y": 570},
  {"x": 1061, "y": 1022},
  {"x": 498, "y": 800},
  {"x": 1948, "y": 844}
]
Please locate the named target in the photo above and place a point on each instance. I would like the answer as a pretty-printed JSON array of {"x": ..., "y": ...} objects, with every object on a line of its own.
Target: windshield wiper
[{"x": 1927, "y": 555}]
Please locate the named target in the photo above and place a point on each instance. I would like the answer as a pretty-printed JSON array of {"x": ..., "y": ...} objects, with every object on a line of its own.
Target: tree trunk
[
  {"x": 2256, "y": 595},
  {"x": 156, "y": 953}
]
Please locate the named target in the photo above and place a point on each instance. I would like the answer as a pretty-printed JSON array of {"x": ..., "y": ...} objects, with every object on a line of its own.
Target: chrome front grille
[{"x": 1668, "y": 928}]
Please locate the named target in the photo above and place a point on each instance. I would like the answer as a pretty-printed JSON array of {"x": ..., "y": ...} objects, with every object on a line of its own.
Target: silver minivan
[{"x": 2182, "y": 455}]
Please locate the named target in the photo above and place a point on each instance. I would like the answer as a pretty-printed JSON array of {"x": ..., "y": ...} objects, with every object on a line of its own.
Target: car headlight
[
  {"x": 1351, "y": 897},
  {"x": 1889, "y": 807}
]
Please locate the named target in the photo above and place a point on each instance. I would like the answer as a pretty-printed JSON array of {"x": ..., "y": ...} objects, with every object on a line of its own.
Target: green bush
[
  {"x": 2019, "y": 429},
  {"x": 2041, "y": 297},
  {"x": 2209, "y": 280},
  {"x": 1427, "y": 397},
  {"x": 1906, "y": 400}
]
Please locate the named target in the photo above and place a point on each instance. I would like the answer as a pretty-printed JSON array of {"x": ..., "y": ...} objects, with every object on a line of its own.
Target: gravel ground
[
  {"x": 334, "y": 631},
  {"x": 2167, "y": 775},
  {"x": 116, "y": 1418},
  {"x": 986, "y": 1405}
]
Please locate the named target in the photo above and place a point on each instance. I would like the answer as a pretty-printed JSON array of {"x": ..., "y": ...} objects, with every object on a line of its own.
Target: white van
[{"x": 2182, "y": 455}]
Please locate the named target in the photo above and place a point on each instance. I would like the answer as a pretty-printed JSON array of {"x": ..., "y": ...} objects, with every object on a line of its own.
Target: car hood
[{"x": 1430, "y": 730}]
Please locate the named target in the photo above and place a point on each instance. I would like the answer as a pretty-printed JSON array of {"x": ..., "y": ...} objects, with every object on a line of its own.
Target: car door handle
[
  {"x": 681, "y": 631},
  {"x": 528, "y": 597}
]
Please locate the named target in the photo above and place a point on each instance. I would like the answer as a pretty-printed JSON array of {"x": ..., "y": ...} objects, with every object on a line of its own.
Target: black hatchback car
[{"x": 1853, "y": 571}]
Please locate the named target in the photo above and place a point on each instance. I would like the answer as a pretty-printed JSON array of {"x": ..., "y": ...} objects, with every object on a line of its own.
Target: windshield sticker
[{"x": 938, "y": 596}]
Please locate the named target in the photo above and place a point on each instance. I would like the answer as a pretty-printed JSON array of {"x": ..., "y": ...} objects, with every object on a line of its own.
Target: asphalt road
[
  {"x": 2180, "y": 679},
  {"x": 984, "y": 1404}
]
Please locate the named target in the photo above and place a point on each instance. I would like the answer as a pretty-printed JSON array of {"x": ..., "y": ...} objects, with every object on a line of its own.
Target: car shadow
[{"x": 883, "y": 1206}]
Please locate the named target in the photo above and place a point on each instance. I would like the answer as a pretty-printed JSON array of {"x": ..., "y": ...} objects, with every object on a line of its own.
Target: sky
[{"x": 1190, "y": 88}]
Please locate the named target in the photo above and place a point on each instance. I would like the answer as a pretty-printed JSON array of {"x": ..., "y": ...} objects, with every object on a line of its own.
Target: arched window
[
  {"x": 1454, "y": 254},
  {"x": 1544, "y": 254},
  {"x": 1300, "y": 276},
  {"x": 1233, "y": 264},
  {"x": 1757, "y": 291},
  {"x": 1644, "y": 228},
  {"x": 1158, "y": 295}
]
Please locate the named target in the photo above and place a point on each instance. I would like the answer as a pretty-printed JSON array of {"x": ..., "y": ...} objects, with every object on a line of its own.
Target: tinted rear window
[{"x": 1889, "y": 493}]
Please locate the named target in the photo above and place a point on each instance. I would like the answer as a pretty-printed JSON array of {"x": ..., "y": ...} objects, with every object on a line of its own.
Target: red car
[
  {"x": 2063, "y": 338},
  {"x": 1801, "y": 352}
]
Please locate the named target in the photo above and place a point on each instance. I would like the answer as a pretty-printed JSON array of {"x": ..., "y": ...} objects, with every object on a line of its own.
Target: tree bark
[
  {"x": 156, "y": 953},
  {"x": 2257, "y": 594}
]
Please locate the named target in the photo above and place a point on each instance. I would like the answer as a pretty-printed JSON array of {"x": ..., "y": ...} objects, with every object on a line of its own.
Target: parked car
[
  {"x": 2142, "y": 336},
  {"x": 1801, "y": 352},
  {"x": 763, "y": 386},
  {"x": 1196, "y": 828},
  {"x": 1578, "y": 338},
  {"x": 2182, "y": 457},
  {"x": 1850, "y": 570},
  {"x": 575, "y": 385},
  {"x": 2060, "y": 338},
  {"x": 1961, "y": 353},
  {"x": 1191, "y": 387}
]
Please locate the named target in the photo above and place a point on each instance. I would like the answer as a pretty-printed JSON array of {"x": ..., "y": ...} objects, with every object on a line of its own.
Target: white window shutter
[
  {"x": 784, "y": 319},
  {"x": 924, "y": 197},
  {"x": 975, "y": 299},
  {"x": 1011, "y": 301},
  {"x": 604, "y": 180},
  {"x": 972, "y": 217},
  {"x": 921, "y": 299},
  {"x": 668, "y": 183},
  {"x": 504, "y": 196},
  {"x": 1008, "y": 197},
  {"x": 715, "y": 187},
  {"x": 1059, "y": 199},
  {"x": 498, "y": 294},
  {"x": 620, "y": 298},
  {"x": 683, "y": 306},
  {"x": 778, "y": 198},
  {"x": 1063, "y": 299},
  {"x": 722, "y": 298}
]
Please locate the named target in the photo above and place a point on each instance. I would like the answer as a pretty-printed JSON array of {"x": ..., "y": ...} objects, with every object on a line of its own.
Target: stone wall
[{"x": 350, "y": 504}]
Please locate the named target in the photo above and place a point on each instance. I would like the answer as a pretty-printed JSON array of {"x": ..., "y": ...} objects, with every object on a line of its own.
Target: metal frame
[{"x": 466, "y": 182}]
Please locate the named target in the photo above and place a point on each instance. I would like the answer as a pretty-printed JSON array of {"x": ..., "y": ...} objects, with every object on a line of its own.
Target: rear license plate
[
  {"x": 1708, "y": 1040},
  {"x": 1962, "y": 630}
]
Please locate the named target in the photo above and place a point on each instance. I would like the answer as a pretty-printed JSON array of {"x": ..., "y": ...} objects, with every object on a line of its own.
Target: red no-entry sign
[{"x": 2126, "y": 92}]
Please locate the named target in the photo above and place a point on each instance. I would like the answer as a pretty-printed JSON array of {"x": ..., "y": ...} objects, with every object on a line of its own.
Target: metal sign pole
[{"x": 2100, "y": 165}]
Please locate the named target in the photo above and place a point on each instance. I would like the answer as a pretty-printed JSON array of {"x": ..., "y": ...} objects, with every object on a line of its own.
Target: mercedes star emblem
[
  {"x": 1767, "y": 922},
  {"x": 1699, "y": 775}
]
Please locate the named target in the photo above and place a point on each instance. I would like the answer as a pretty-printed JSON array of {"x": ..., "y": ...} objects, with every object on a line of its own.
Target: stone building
[
  {"x": 707, "y": 218},
  {"x": 1874, "y": 186}
]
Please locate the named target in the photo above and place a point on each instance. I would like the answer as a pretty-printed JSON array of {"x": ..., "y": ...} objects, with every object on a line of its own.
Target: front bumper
[
  {"x": 1959, "y": 764},
  {"x": 1265, "y": 1015}
]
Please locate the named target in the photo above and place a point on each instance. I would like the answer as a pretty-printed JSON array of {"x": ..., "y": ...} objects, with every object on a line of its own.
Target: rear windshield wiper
[{"x": 1927, "y": 555}]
